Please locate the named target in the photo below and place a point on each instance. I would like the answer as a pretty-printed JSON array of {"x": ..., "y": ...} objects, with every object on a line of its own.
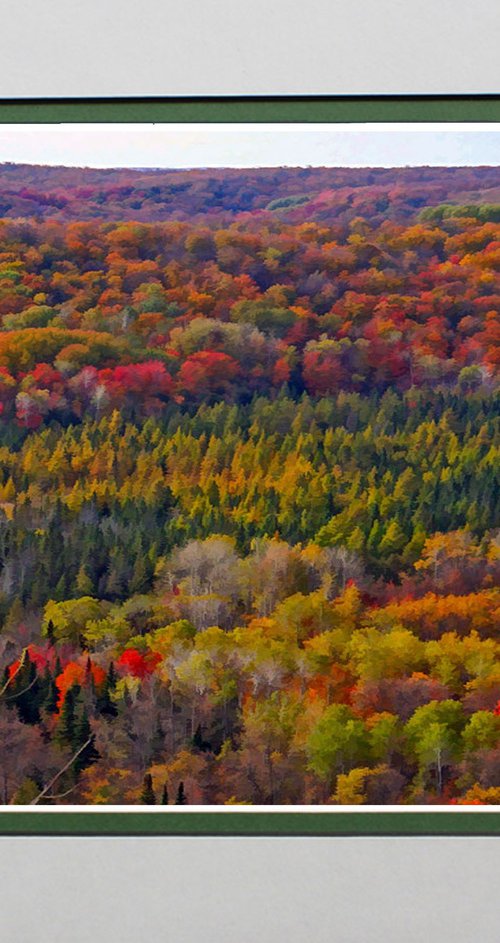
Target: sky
[{"x": 261, "y": 145}]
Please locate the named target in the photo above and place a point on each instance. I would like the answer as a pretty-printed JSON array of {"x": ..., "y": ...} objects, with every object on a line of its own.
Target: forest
[{"x": 249, "y": 486}]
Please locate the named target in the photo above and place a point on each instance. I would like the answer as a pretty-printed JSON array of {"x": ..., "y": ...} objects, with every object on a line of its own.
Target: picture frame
[{"x": 234, "y": 821}]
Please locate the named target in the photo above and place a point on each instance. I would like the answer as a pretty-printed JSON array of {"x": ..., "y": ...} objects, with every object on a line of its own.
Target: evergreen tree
[
  {"x": 198, "y": 742},
  {"x": 111, "y": 676},
  {"x": 114, "y": 579},
  {"x": 65, "y": 733},
  {"x": 139, "y": 578},
  {"x": 181, "y": 798},
  {"x": 104, "y": 702},
  {"x": 61, "y": 588},
  {"x": 147, "y": 796},
  {"x": 83, "y": 734},
  {"x": 15, "y": 614},
  {"x": 25, "y": 692},
  {"x": 51, "y": 697},
  {"x": 83, "y": 583},
  {"x": 49, "y": 631}
]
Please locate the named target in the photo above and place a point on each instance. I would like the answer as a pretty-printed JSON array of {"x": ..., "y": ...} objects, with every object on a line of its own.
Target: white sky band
[{"x": 179, "y": 146}]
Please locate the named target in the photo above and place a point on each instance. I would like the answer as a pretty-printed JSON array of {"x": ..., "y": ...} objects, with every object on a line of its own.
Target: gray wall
[
  {"x": 221, "y": 47},
  {"x": 249, "y": 890}
]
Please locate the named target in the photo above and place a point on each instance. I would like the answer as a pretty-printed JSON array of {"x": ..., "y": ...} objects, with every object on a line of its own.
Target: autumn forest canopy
[{"x": 249, "y": 489}]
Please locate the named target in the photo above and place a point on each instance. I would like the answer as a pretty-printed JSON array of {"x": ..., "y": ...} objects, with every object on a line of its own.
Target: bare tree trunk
[
  {"x": 439, "y": 772},
  {"x": 9, "y": 681},
  {"x": 54, "y": 779}
]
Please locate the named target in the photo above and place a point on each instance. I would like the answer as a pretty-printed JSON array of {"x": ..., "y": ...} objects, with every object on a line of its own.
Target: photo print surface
[{"x": 249, "y": 496}]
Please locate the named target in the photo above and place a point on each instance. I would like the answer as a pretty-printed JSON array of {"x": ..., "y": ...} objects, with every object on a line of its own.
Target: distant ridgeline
[{"x": 330, "y": 193}]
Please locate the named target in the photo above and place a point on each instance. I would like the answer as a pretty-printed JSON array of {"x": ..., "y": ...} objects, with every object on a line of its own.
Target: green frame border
[
  {"x": 475, "y": 108},
  {"x": 251, "y": 824},
  {"x": 459, "y": 108}
]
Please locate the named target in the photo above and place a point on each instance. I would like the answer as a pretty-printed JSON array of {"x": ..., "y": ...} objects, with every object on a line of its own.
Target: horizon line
[{"x": 172, "y": 168}]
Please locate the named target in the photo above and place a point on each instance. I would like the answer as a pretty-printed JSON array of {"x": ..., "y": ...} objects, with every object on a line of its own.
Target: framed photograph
[{"x": 249, "y": 467}]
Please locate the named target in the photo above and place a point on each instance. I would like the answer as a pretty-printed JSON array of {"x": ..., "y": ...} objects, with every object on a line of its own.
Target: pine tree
[
  {"x": 51, "y": 694},
  {"x": 82, "y": 734},
  {"x": 49, "y": 632},
  {"x": 61, "y": 589},
  {"x": 138, "y": 580},
  {"x": 181, "y": 798},
  {"x": 393, "y": 539},
  {"x": 158, "y": 741},
  {"x": 104, "y": 703},
  {"x": 15, "y": 615},
  {"x": 164, "y": 795},
  {"x": 198, "y": 742},
  {"x": 147, "y": 796},
  {"x": 83, "y": 583},
  {"x": 111, "y": 676},
  {"x": 114, "y": 579},
  {"x": 82, "y": 729},
  {"x": 26, "y": 692},
  {"x": 65, "y": 733},
  {"x": 38, "y": 589}
]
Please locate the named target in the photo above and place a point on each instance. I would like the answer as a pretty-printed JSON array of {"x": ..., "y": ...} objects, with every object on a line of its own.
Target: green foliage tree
[{"x": 337, "y": 743}]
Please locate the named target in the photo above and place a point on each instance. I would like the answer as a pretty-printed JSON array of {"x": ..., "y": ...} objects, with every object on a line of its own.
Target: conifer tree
[
  {"x": 147, "y": 796},
  {"x": 65, "y": 733},
  {"x": 51, "y": 697},
  {"x": 104, "y": 702},
  {"x": 111, "y": 676},
  {"x": 181, "y": 798},
  {"x": 83, "y": 583},
  {"x": 49, "y": 631},
  {"x": 60, "y": 591},
  {"x": 26, "y": 692},
  {"x": 82, "y": 734}
]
